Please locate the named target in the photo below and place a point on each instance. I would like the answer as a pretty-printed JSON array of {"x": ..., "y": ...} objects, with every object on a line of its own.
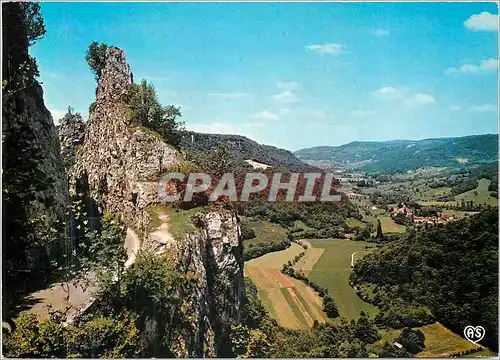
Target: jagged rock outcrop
[
  {"x": 71, "y": 130},
  {"x": 214, "y": 254},
  {"x": 119, "y": 168},
  {"x": 120, "y": 164}
]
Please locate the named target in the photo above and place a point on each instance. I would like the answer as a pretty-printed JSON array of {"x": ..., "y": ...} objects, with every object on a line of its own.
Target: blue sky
[{"x": 292, "y": 75}]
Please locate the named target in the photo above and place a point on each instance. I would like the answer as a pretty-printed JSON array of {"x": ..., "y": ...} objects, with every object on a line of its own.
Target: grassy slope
[
  {"x": 274, "y": 290},
  {"x": 482, "y": 197},
  {"x": 389, "y": 226},
  {"x": 439, "y": 341},
  {"x": 275, "y": 260},
  {"x": 332, "y": 271},
  {"x": 264, "y": 232}
]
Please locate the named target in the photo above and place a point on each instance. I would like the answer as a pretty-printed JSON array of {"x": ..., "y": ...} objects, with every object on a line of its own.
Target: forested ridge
[
  {"x": 404, "y": 155},
  {"x": 452, "y": 270},
  {"x": 243, "y": 148}
]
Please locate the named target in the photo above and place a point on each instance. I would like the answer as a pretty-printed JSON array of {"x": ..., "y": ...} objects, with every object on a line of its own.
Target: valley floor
[
  {"x": 291, "y": 302},
  {"x": 328, "y": 263}
]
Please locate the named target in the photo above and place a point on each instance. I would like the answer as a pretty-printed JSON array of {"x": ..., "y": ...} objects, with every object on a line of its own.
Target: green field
[
  {"x": 265, "y": 232},
  {"x": 426, "y": 193},
  {"x": 480, "y": 195},
  {"x": 275, "y": 260},
  {"x": 389, "y": 226},
  {"x": 352, "y": 222},
  {"x": 290, "y": 301},
  {"x": 439, "y": 341},
  {"x": 332, "y": 272}
]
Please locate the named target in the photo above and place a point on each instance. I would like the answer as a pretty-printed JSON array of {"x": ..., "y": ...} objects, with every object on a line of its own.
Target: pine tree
[{"x": 380, "y": 234}]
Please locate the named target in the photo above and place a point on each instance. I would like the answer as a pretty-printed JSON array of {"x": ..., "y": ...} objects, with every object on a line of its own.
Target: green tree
[
  {"x": 380, "y": 234},
  {"x": 98, "y": 337},
  {"x": 329, "y": 307},
  {"x": 22, "y": 25},
  {"x": 220, "y": 161},
  {"x": 412, "y": 340},
  {"x": 96, "y": 58},
  {"x": 107, "y": 255},
  {"x": 148, "y": 112}
]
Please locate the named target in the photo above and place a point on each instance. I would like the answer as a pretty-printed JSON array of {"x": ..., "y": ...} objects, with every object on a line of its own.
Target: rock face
[
  {"x": 119, "y": 167},
  {"x": 215, "y": 256},
  {"x": 119, "y": 164},
  {"x": 71, "y": 135},
  {"x": 30, "y": 143}
]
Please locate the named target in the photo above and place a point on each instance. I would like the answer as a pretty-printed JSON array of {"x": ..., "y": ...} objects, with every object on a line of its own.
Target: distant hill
[
  {"x": 403, "y": 155},
  {"x": 242, "y": 148}
]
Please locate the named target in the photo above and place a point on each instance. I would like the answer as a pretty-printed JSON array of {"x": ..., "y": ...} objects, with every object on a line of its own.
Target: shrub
[
  {"x": 329, "y": 307},
  {"x": 96, "y": 58},
  {"x": 247, "y": 232},
  {"x": 412, "y": 340},
  {"x": 148, "y": 112}
]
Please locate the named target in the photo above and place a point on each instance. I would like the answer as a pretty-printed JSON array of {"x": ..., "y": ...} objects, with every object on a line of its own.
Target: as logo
[{"x": 474, "y": 334}]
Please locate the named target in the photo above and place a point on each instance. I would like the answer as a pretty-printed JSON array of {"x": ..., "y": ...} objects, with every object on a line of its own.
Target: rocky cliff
[
  {"x": 32, "y": 164},
  {"x": 213, "y": 254},
  {"x": 71, "y": 130},
  {"x": 119, "y": 164},
  {"x": 119, "y": 167}
]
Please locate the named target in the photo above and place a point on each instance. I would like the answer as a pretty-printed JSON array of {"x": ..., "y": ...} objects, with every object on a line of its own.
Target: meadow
[
  {"x": 332, "y": 271},
  {"x": 265, "y": 232},
  {"x": 439, "y": 341},
  {"x": 480, "y": 195},
  {"x": 389, "y": 226},
  {"x": 291, "y": 302}
]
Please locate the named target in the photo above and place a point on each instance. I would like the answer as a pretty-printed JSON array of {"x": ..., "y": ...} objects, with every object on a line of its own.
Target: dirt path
[
  {"x": 133, "y": 245},
  {"x": 79, "y": 297},
  {"x": 352, "y": 258},
  {"x": 55, "y": 295}
]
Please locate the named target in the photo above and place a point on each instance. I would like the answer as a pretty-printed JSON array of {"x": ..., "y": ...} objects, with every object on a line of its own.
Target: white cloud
[
  {"x": 213, "y": 128},
  {"x": 485, "y": 108},
  {"x": 380, "y": 32},
  {"x": 362, "y": 112},
  {"x": 455, "y": 108},
  {"x": 485, "y": 66},
  {"x": 290, "y": 86},
  {"x": 329, "y": 48},
  {"x": 234, "y": 95},
  {"x": 408, "y": 97},
  {"x": 285, "y": 111},
  {"x": 420, "y": 99},
  {"x": 265, "y": 115},
  {"x": 482, "y": 22},
  {"x": 286, "y": 96},
  {"x": 388, "y": 93}
]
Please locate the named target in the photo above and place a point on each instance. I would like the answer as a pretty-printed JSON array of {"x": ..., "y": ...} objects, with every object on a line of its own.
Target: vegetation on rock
[
  {"x": 96, "y": 58},
  {"x": 148, "y": 112}
]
